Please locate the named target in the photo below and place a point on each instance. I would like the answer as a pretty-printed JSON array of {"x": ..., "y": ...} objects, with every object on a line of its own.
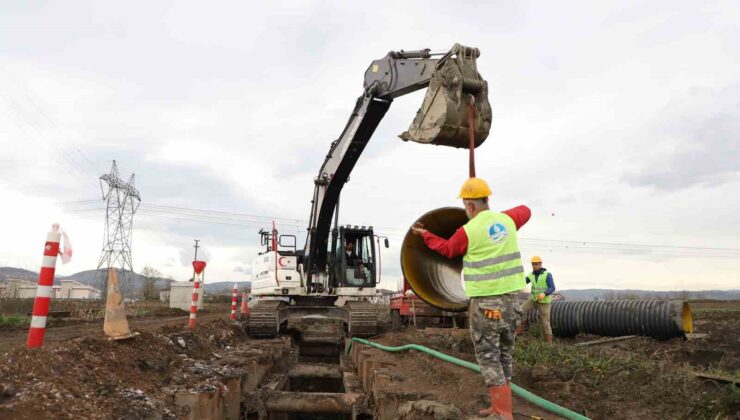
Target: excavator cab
[{"x": 354, "y": 257}]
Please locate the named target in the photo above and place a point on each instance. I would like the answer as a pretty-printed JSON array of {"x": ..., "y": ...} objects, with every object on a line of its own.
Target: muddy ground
[
  {"x": 66, "y": 329},
  {"x": 93, "y": 378},
  {"x": 423, "y": 377},
  {"x": 79, "y": 374},
  {"x": 639, "y": 378}
]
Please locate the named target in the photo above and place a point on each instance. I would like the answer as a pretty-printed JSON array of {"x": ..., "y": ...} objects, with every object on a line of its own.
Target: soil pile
[{"x": 134, "y": 378}]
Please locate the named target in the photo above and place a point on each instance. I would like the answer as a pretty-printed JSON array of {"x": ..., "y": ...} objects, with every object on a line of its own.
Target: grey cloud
[
  {"x": 243, "y": 269},
  {"x": 97, "y": 69},
  {"x": 186, "y": 186},
  {"x": 187, "y": 254},
  {"x": 169, "y": 263},
  {"x": 706, "y": 137}
]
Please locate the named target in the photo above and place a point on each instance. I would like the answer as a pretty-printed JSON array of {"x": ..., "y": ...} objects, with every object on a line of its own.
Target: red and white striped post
[
  {"x": 198, "y": 266},
  {"x": 234, "y": 294},
  {"x": 43, "y": 291},
  {"x": 245, "y": 305}
]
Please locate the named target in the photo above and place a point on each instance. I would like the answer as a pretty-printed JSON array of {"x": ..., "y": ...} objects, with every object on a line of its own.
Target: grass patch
[
  {"x": 578, "y": 362},
  {"x": 13, "y": 321},
  {"x": 139, "y": 312},
  {"x": 626, "y": 380}
]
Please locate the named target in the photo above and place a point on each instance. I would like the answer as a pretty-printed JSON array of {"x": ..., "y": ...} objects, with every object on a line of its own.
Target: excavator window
[{"x": 357, "y": 259}]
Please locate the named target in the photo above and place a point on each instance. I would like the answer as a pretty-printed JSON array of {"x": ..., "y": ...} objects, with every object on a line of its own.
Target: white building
[
  {"x": 164, "y": 295},
  {"x": 181, "y": 295},
  {"x": 18, "y": 289},
  {"x": 72, "y": 289},
  {"x": 69, "y": 289},
  {"x": 382, "y": 296}
]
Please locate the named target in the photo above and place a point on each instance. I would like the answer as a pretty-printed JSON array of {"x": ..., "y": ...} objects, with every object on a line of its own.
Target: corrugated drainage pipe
[
  {"x": 434, "y": 278},
  {"x": 521, "y": 392},
  {"x": 660, "y": 319}
]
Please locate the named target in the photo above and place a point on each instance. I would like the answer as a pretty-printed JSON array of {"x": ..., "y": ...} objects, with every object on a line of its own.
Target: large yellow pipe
[{"x": 434, "y": 278}]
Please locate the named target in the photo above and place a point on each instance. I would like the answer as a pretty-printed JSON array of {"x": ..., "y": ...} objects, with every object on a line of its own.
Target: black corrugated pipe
[{"x": 653, "y": 318}]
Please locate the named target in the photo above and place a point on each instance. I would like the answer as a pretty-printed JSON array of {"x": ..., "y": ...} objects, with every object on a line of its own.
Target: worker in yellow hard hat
[
  {"x": 543, "y": 287},
  {"x": 493, "y": 274}
]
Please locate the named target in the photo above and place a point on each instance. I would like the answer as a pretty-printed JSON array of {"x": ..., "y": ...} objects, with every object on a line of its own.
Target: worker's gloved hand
[
  {"x": 492, "y": 314},
  {"x": 418, "y": 229},
  {"x": 540, "y": 297}
]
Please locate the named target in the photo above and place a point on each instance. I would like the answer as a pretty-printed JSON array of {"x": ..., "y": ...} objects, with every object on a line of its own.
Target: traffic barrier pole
[
  {"x": 234, "y": 294},
  {"x": 43, "y": 290},
  {"x": 245, "y": 305},
  {"x": 194, "y": 302},
  {"x": 198, "y": 266}
]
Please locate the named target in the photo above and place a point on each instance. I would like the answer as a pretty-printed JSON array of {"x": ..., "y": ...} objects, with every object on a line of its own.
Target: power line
[
  {"x": 41, "y": 138},
  {"x": 299, "y": 226},
  {"x": 40, "y": 110}
]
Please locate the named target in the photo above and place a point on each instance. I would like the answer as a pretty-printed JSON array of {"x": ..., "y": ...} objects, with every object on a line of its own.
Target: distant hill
[
  {"x": 226, "y": 287},
  {"x": 17, "y": 273},
  {"x": 95, "y": 278}
]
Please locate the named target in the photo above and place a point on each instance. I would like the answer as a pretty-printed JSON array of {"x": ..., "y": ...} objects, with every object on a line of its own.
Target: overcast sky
[{"x": 615, "y": 122}]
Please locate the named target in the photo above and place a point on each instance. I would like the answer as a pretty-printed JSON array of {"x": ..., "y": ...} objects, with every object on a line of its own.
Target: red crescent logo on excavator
[{"x": 280, "y": 261}]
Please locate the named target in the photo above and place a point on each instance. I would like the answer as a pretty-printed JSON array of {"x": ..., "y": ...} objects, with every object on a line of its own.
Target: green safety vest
[
  {"x": 492, "y": 265},
  {"x": 539, "y": 285}
]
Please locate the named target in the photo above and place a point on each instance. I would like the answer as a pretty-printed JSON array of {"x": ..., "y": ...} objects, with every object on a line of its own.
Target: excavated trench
[
  {"x": 317, "y": 383},
  {"x": 309, "y": 373}
]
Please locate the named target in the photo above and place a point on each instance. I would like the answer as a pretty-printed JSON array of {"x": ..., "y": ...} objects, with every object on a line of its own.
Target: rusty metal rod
[{"x": 471, "y": 134}]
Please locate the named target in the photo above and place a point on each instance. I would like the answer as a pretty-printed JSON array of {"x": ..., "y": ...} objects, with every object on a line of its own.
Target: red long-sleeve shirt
[{"x": 458, "y": 243}]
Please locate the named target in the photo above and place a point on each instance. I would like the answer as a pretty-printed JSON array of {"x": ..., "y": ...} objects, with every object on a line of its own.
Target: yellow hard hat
[
  {"x": 536, "y": 259},
  {"x": 474, "y": 188}
]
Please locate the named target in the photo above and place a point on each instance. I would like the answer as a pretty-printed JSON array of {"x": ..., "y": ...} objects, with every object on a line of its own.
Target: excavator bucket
[{"x": 443, "y": 117}]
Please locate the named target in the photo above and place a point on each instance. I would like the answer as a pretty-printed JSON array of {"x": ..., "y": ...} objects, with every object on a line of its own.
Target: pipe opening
[{"x": 434, "y": 278}]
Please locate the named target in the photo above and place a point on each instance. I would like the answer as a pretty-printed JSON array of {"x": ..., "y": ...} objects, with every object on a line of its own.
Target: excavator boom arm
[{"x": 453, "y": 80}]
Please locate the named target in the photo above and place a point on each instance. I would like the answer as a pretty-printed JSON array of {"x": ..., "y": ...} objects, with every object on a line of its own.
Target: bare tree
[
  {"x": 149, "y": 286},
  {"x": 168, "y": 282}
]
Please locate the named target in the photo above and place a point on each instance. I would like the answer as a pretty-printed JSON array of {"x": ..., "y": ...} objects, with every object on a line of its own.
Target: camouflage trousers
[{"x": 493, "y": 339}]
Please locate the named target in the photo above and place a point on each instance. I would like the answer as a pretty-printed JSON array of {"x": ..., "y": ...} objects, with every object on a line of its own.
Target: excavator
[{"x": 339, "y": 262}]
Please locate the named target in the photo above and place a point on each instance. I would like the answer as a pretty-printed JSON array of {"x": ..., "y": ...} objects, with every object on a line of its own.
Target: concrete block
[
  {"x": 233, "y": 398},
  {"x": 203, "y": 405}
]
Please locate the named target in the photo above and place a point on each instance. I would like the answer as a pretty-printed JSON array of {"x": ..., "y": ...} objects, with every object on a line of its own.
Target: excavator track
[
  {"x": 363, "y": 319},
  {"x": 263, "y": 318}
]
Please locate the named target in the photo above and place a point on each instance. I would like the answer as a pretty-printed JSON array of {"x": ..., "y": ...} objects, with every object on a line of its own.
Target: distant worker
[
  {"x": 493, "y": 274},
  {"x": 543, "y": 287}
]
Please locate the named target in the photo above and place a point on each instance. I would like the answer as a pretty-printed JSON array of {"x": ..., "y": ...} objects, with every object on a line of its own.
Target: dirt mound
[{"x": 135, "y": 378}]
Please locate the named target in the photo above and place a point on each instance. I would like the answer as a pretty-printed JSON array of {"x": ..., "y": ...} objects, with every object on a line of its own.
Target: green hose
[{"x": 521, "y": 392}]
